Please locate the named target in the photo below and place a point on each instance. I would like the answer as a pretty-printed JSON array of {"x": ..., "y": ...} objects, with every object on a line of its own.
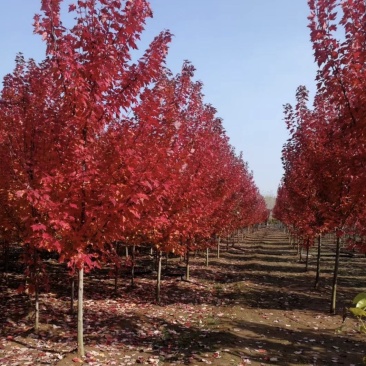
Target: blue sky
[{"x": 250, "y": 56}]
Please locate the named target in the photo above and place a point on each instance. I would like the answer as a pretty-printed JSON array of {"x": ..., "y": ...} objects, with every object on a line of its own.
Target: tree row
[
  {"x": 97, "y": 149},
  {"x": 324, "y": 185}
]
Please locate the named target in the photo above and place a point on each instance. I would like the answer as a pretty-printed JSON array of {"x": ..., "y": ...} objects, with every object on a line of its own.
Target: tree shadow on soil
[{"x": 303, "y": 346}]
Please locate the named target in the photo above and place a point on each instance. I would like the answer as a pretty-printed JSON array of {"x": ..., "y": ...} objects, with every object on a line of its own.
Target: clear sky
[{"x": 251, "y": 55}]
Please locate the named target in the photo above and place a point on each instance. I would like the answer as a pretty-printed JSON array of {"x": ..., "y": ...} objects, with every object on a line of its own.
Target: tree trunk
[
  {"x": 317, "y": 277},
  {"x": 5, "y": 261},
  {"x": 207, "y": 254},
  {"x": 36, "y": 319},
  {"x": 156, "y": 260},
  {"x": 133, "y": 266},
  {"x": 81, "y": 352},
  {"x": 166, "y": 260},
  {"x": 335, "y": 277},
  {"x": 126, "y": 251},
  {"x": 158, "y": 278},
  {"x": 116, "y": 275},
  {"x": 72, "y": 297},
  {"x": 218, "y": 247},
  {"x": 307, "y": 255},
  {"x": 187, "y": 266}
]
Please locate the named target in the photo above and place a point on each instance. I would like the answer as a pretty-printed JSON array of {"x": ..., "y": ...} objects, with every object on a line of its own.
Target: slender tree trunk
[
  {"x": 307, "y": 255},
  {"x": 126, "y": 251},
  {"x": 116, "y": 269},
  {"x": 157, "y": 259},
  {"x": 227, "y": 243},
  {"x": 153, "y": 260},
  {"x": 207, "y": 255},
  {"x": 116, "y": 275},
  {"x": 36, "y": 319},
  {"x": 26, "y": 284},
  {"x": 317, "y": 277},
  {"x": 300, "y": 251},
  {"x": 72, "y": 297},
  {"x": 6, "y": 263},
  {"x": 133, "y": 265},
  {"x": 335, "y": 277},
  {"x": 81, "y": 352},
  {"x": 158, "y": 278},
  {"x": 218, "y": 247},
  {"x": 187, "y": 266}
]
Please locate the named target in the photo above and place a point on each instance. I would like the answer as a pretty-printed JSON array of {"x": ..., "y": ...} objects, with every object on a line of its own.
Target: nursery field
[{"x": 255, "y": 305}]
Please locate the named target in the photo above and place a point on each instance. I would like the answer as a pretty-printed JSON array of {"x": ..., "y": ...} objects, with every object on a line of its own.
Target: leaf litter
[{"x": 234, "y": 312}]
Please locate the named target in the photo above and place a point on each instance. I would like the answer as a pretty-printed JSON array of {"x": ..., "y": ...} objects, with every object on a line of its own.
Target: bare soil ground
[{"x": 254, "y": 306}]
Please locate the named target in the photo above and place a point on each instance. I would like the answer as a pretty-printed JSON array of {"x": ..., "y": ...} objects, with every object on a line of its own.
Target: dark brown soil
[{"x": 253, "y": 306}]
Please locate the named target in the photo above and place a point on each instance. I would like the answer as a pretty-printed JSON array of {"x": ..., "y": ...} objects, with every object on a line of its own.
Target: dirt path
[{"x": 255, "y": 305}]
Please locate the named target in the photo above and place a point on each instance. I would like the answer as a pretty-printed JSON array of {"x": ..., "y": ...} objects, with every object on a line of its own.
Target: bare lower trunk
[
  {"x": 317, "y": 277},
  {"x": 166, "y": 260},
  {"x": 335, "y": 277},
  {"x": 36, "y": 319},
  {"x": 307, "y": 255},
  {"x": 116, "y": 276},
  {"x": 158, "y": 277},
  {"x": 156, "y": 260},
  {"x": 133, "y": 266},
  {"x": 72, "y": 297},
  {"x": 207, "y": 254},
  {"x": 81, "y": 352},
  {"x": 187, "y": 266},
  {"x": 218, "y": 247}
]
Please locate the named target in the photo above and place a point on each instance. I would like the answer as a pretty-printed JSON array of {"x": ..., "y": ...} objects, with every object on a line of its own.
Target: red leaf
[
  {"x": 77, "y": 359},
  {"x": 38, "y": 227}
]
